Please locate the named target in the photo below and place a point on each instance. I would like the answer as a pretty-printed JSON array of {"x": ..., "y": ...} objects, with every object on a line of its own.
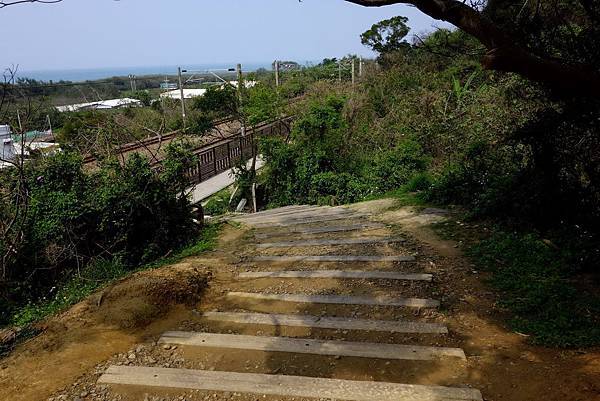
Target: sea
[{"x": 92, "y": 74}]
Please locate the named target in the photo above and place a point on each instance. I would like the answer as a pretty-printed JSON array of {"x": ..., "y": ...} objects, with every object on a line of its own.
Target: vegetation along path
[{"x": 309, "y": 306}]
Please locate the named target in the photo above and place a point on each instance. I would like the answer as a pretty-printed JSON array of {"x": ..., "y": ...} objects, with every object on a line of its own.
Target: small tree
[{"x": 387, "y": 36}]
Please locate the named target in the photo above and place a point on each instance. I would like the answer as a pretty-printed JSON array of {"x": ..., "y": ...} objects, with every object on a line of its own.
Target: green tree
[
  {"x": 555, "y": 43},
  {"x": 387, "y": 36}
]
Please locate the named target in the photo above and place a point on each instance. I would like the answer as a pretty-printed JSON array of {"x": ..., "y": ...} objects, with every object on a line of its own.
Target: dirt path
[{"x": 498, "y": 363}]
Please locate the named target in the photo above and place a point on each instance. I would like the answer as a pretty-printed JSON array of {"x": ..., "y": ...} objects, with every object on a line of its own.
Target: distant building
[
  {"x": 168, "y": 85},
  {"x": 187, "y": 93},
  {"x": 247, "y": 84},
  {"x": 7, "y": 152},
  {"x": 191, "y": 93},
  {"x": 287, "y": 66},
  {"x": 101, "y": 105},
  {"x": 12, "y": 146}
]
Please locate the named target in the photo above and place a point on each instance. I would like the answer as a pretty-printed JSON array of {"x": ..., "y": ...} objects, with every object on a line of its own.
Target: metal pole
[
  {"x": 240, "y": 78},
  {"x": 182, "y": 98},
  {"x": 277, "y": 73},
  {"x": 353, "y": 71},
  {"x": 49, "y": 123},
  {"x": 360, "y": 67},
  {"x": 340, "y": 71}
]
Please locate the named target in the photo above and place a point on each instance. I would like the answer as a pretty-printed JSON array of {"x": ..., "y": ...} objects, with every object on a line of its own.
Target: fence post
[
  {"x": 214, "y": 152},
  {"x": 229, "y": 164},
  {"x": 199, "y": 162}
]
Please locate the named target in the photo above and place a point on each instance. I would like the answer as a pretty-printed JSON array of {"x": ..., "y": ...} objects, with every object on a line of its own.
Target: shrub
[
  {"x": 394, "y": 168},
  {"x": 129, "y": 212}
]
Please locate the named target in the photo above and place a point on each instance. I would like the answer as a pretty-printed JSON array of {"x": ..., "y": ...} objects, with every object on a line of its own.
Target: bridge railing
[{"x": 225, "y": 154}]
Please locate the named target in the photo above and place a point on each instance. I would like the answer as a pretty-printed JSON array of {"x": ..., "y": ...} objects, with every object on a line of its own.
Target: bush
[
  {"x": 394, "y": 168},
  {"x": 127, "y": 212}
]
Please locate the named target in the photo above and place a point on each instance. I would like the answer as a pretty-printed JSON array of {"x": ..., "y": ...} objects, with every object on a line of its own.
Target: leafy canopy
[{"x": 387, "y": 36}]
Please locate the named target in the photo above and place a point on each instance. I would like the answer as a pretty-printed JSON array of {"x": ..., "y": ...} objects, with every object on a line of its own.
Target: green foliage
[
  {"x": 318, "y": 167},
  {"x": 143, "y": 95},
  {"x": 199, "y": 124},
  {"x": 217, "y": 102},
  {"x": 69, "y": 293},
  {"x": 217, "y": 204},
  {"x": 261, "y": 105},
  {"x": 120, "y": 211},
  {"x": 97, "y": 274},
  {"x": 534, "y": 279},
  {"x": 395, "y": 168},
  {"x": 387, "y": 36}
]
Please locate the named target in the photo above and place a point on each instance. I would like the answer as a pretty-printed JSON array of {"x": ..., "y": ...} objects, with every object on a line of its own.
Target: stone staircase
[{"x": 335, "y": 276}]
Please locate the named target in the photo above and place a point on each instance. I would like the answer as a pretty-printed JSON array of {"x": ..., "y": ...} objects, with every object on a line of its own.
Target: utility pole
[
  {"x": 49, "y": 123},
  {"x": 277, "y": 73},
  {"x": 240, "y": 77},
  {"x": 360, "y": 67},
  {"x": 340, "y": 71},
  {"x": 182, "y": 98},
  {"x": 131, "y": 82},
  {"x": 353, "y": 71}
]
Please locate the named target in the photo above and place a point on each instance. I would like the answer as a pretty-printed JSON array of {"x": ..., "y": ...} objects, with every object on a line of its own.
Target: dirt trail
[{"x": 67, "y": 359}]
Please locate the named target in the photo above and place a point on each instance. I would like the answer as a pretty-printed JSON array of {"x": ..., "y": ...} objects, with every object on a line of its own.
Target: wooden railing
[{"x": 221, "y": 156}]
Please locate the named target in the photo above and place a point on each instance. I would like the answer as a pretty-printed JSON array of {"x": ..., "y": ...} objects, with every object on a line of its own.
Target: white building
[
  {"x": 187, "y": 93},
  {"x": 191, "y": 93},
  {"x": 101, "y": 105},
  {"x": 7, "y": 152},
  {"x": 10, "y": 149}
]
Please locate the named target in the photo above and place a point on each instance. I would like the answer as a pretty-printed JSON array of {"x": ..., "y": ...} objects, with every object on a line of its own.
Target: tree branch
[
  {"x": 12, "y": 3},
  {"x": 503, "y": 51}
]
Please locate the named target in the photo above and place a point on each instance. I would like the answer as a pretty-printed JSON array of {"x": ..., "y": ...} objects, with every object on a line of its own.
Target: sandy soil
[{"x": 65, "y": 361}]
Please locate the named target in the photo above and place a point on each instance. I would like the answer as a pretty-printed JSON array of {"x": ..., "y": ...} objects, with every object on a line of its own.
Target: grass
[
  {"x": 100, "y": 274},
  {"x": 537, "y": 283},
  {"x": 402, "y": 196},
  {"x": 218, "y": 203}
]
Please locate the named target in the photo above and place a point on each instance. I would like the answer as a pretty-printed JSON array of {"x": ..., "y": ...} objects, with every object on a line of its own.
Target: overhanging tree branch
[
  {"x": 12, "y": 3},
  {"x": 503, "y": 51}
]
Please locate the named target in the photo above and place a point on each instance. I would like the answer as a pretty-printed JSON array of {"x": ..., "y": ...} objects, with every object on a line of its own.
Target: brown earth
[{"x": 65, "y": 361}]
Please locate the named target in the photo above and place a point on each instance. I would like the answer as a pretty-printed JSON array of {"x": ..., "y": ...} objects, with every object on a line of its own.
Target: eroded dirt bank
[{"x": 132, "y": 311}]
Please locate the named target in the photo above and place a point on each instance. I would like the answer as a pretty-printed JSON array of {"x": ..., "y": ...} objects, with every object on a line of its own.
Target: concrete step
[
  {"x": 282, "y": 386},
  {"x": 310, "y": 346},
  {"x": 281, "y": 211},
  {"x": 313, "y": 213},
  {"x": 348, "y": 274},
  {"x": 334, "y": 258},
  {"x": 309, "y": 220},
  {"x": 320, "y": 230},
  {"x": 321, "y": 242},
  {"x": 320, "y": 322},
  {"x": 339, "y": 299}
]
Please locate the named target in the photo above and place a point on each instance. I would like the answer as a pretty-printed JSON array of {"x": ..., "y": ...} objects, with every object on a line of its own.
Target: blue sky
[{"x": 108, "y": 33}]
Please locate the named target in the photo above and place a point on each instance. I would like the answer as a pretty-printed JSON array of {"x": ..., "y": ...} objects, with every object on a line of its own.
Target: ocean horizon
[{"x": 89, "y": 74}]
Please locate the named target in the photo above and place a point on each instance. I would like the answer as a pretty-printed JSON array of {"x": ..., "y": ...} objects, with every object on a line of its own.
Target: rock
[{"x": 166, "y": 346}]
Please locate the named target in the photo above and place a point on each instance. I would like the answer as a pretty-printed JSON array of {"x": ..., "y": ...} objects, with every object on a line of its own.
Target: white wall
[{"x": 7, "y": 147}]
